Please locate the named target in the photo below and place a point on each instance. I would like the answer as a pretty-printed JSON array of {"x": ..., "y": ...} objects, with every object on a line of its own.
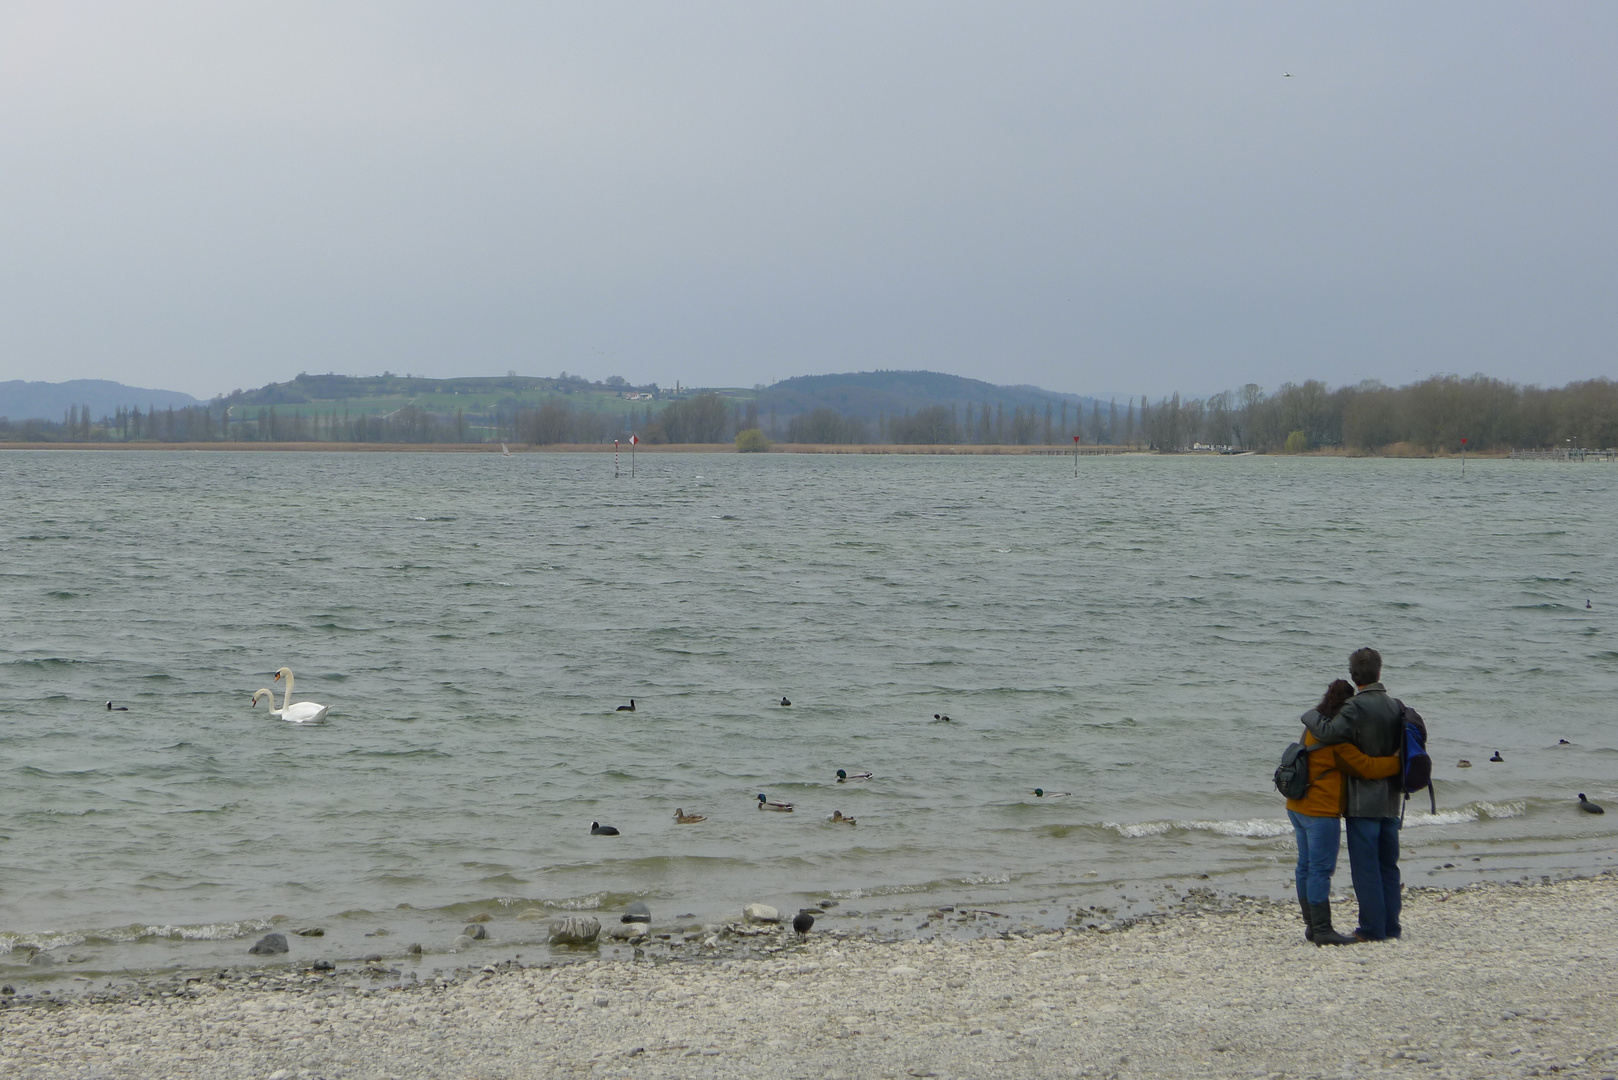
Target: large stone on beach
[
  {"x": 761, "y": 913},
  {"x": 42, "y": 959},
  {"x": 575, "y": 930},
  {"x": 269, "y": 945},
  {"x": 637, "y": 912},
  {"x": 475, "y": 931}
]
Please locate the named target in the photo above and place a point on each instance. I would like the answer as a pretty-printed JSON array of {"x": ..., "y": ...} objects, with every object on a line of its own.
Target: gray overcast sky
[{"x": 1123, "y": 198}]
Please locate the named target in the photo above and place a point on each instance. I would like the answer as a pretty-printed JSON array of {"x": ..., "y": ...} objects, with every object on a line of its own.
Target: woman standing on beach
[{"x": 1314, "y": 817}]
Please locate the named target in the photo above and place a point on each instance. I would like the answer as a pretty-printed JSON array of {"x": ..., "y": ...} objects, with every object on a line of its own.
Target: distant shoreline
[{"x": 1040, "y": 450}]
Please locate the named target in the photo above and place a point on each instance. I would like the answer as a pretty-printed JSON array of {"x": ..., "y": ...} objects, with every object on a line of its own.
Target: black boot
[
  {"x": 1308, "y": 920},
  {"x": 1320, "y": 922}
]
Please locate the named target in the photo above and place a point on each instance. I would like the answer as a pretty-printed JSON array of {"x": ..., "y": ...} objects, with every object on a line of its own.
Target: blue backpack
[{"x": 1415, "y": 767}]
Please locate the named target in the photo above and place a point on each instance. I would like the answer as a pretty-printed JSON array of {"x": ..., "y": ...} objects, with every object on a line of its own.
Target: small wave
[
  {"x": 1469, "y": 812},
  {"x": 1256, "y": 828},
  {"x": 119, "y": 935}
]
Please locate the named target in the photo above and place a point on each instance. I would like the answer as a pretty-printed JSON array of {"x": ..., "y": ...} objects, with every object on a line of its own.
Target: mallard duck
[
  {"x": 1589, "y": 807},
  {"x": 765, "y": 804},
  {"x": 627, "y": 708},
  {"x": 598, "y": 829},
  {"x": 843, "y": 775},
  {"x": 1041, "y": 793},
  {"x": 683, "y": 818},
  {"x": 1463, "y": 764},
  {"x": 837, "y": 818}
]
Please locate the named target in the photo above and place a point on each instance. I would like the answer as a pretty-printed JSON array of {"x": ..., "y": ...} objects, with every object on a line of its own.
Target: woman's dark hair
[{"x": 1338, "y": 692}]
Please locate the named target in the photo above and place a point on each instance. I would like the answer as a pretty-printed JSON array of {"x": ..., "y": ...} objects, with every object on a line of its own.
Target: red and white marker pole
[
  {"x": 633, "y": 440},
  {"x": 1075, "y": 457},
  {"x": 615, "y": 459}
]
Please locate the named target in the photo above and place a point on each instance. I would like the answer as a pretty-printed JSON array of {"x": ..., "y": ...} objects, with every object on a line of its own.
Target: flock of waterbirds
[{"x": 312, "y": 712}]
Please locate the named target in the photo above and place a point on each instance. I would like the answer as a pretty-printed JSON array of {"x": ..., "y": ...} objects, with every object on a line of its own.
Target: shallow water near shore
[{"x": 1142, "y": 636}]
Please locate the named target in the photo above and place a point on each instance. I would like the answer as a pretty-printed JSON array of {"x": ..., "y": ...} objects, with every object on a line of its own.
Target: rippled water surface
[{"x": 1142, "y": 636}]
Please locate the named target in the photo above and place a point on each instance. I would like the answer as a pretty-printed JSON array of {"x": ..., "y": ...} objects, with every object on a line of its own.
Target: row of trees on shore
[{"x": 1432, "y": 415}]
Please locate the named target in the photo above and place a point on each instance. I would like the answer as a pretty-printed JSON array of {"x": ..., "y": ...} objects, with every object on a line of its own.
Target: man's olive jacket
[{"x": 1371, "y": 721}]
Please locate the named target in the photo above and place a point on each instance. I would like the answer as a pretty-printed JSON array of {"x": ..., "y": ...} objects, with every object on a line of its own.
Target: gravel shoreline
[{"x": 1490, "y": 980}]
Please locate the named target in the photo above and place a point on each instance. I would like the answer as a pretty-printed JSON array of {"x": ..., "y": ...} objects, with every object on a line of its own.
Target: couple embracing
[{"x": 1353, "y": 738}]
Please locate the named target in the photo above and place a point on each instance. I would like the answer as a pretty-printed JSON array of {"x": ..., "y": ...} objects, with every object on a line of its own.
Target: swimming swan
[{"x": 293, "y": 712}]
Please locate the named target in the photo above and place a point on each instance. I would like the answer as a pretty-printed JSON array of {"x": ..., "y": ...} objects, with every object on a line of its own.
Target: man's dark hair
[{"x": 1364, "y": 666}]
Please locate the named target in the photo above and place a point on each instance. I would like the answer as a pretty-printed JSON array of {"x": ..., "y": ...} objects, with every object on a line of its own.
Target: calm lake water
[{"x": 1142, "y": 636}]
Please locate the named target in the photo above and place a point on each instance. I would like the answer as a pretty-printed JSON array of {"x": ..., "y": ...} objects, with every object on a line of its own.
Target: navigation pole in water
[
  {"x": 615, "y": 459},
  {"x": 633, "y": 439},
  {"x": 1463, "y": 459},
  {"x": 1075, "y": 457}
]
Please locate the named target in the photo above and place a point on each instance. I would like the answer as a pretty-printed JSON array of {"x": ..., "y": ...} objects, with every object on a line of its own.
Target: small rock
[
  {"x": 374, "y": 958},
  {"x": 482, "y": 916},
  {"x": 637, "y": 912},
  {"x": 324, "y": 965},
  {"x": 414, "y": 950},
  {"x": 575, "y": 930},
  {"x": 475, "y": 931},
  {"x": 269, "y": 945},
  {"x": 310, "y": 931},
  {"x": 530, "y": 914},
  {"x": 601, "y": 1000},
  {"x": 279, "y": 1074},
  {"x": 903, "y": 970},
  {"x": 627, "y": 931},
  {"x": 42, "y": 959},
  {"x": 461, "y": 942},
  {"x": 828, "y": 904},
  {"x": 8, "y": 990},
  {"x": 760, "y": 913}
]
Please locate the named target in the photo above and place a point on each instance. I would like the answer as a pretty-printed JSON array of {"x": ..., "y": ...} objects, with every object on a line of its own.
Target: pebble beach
[{"x": 1491, "y": 980}]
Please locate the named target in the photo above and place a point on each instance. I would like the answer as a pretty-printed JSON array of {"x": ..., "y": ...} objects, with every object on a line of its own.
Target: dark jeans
[
  {"x": 1318, "y": 839},
  {"x": 1373, "y": 863}
]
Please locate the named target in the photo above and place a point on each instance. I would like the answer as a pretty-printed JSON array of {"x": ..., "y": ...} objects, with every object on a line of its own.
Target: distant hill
[
  {"x": 869, "y": 394},
  {"x": 49, "y": 401}
]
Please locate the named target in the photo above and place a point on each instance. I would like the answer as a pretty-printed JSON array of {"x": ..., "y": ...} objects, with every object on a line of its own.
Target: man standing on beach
[{"x": 1372, "y": 721}]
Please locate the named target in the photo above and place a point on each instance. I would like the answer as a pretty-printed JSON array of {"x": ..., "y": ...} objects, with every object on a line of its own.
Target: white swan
[{"x": 294, "y": 712}]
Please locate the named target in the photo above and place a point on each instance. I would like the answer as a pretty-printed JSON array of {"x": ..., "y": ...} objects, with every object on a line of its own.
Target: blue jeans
[
  {"x": 1373, "y": 862},
  {"x": 1318, "y": 838}
]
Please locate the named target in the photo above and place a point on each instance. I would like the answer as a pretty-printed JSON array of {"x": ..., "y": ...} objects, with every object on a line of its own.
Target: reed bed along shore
[{"x": 1490, "y": 980}]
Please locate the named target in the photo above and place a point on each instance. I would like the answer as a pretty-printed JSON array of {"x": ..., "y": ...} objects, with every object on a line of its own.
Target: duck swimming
[
  {"x": 117, "y": 708},
  {"x": 785, "y": 702},
  {"x": 837, "y": 818},
  {"x": 1463, "y": 764},
  {"x": 683, "y": 818},
  {"x": 765, "y": 804},
  {"x": 842, "y": 776},
  {"x": 598, "y": 829},
  {"x": 1589, "y": 807},
  {"x": 941, "y": 718},
  {"x": 627, "y": 708},
  {"x": 1497, "y": 757},
  {"x": 1041, "y": 793}
]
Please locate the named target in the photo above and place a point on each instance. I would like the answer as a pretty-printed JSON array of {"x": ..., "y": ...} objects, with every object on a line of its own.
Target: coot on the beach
[
  {"x": 1589, "y": 807},
  {"x": 802, "y": 922},
  {"x": 598, "y": 829}
]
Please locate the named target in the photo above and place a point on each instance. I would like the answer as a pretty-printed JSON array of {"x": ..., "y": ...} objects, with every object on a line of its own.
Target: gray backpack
[{"x": 1292, "y": 775}]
